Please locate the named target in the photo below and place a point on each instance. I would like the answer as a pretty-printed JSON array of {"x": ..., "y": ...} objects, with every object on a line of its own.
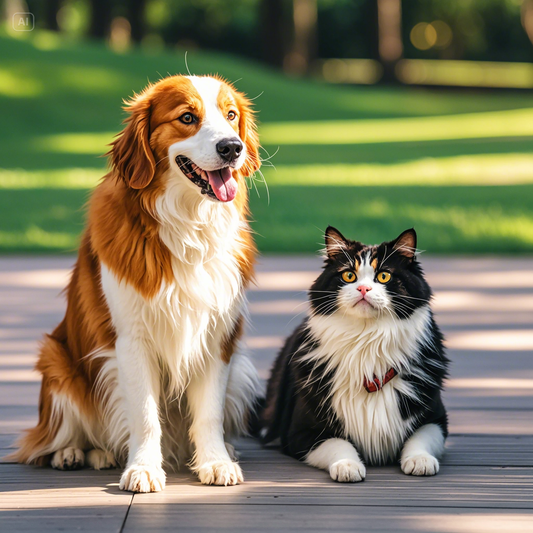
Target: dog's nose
[{"x": 229, "y": 149}]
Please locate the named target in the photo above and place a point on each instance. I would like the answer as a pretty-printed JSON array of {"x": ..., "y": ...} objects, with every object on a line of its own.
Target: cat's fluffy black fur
[{"x": 317, "y": 404}]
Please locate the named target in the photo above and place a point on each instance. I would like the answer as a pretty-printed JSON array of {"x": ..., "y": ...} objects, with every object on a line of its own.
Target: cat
[{"x": 360, "y": 380}]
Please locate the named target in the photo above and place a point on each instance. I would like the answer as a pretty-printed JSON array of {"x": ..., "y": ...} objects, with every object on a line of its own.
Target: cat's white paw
[
  {"x": 220, "y": 473},
  {"x": 100, "y": 459},
  {"x": 68, "y": 459},
  {"x": 143, "y": 478},
  {"x": 347, "y": 471},
  {"x": 422, "y": 464}
]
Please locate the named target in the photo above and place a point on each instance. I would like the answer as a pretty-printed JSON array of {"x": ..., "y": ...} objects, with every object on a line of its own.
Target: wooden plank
[
  {"x": 15, "y": 419},
  {"x": 86, "y": 519},
  {"x": 6, "y": 443},
  {"x": 485, "y": 484},
  {"x": 491, "y": 422},
  {"x": 42, "y": 499},
  {"x": 21, "y": 393},
  {"x": 299, "y": 484},
  {"x": 292, "y": 482},
  {"x": 479, "y": 450},
  {"x": 145, "y": 517}
]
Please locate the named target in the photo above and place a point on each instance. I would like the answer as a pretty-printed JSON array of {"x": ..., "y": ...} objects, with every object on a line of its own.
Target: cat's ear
[
  {"x": 405, "y": 244},
  {"x": 335, "y": 241}
]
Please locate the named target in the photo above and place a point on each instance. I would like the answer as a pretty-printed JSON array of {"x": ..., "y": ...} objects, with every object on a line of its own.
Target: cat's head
[{"x": 370, "y": 282}]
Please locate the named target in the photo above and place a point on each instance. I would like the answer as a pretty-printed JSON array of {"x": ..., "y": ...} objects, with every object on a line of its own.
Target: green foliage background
[{"x": 372, "y": 161}]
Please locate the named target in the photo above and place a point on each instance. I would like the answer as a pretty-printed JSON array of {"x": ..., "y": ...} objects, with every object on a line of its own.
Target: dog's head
[{"x": 200, "y": 128}]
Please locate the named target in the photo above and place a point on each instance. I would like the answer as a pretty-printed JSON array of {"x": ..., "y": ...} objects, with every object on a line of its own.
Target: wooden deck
[{"x": 485, "y": 306}]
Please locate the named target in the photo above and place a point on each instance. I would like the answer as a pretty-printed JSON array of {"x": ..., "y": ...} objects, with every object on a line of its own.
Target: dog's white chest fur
[
  {"x": 189, "y": 318},
  {"x": 353, "y": 350}
]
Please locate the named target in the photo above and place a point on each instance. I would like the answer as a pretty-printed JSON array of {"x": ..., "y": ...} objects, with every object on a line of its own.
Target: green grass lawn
[{"x": 458, "y": 166}]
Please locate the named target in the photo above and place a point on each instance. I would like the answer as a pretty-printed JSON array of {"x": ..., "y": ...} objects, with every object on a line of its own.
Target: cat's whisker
[
  {"x": 315, "y": 290},
  {"x": 410, "y": 297}
]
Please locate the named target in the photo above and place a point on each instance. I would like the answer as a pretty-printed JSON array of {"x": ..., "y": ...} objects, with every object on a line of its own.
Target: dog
[{"x": 145, "y": 369}]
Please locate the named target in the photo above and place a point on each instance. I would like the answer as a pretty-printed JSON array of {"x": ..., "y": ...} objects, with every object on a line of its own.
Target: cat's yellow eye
[
  {"x": 384, "y": 277},
  {"x": 349, "y": 276}
]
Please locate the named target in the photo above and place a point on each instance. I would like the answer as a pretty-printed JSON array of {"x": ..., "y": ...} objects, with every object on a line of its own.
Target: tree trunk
[
  {"x": 100, "y": 19},
  {"x": 273, "y": 31},
  {"x": 304, "y": 47},
  {"x": 527, "y": 18},
  {"x": 50, "y": 14},
  {"x": 136, "y": 19},
  {"x": 390, "y": 46}
]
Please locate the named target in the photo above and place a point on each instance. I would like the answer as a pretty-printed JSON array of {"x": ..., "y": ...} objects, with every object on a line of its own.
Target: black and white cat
[{"x": 360, "y": 380}]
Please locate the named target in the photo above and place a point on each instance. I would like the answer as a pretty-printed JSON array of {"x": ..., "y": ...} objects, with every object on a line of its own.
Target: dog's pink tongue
[{"x": 223, "y": 184}]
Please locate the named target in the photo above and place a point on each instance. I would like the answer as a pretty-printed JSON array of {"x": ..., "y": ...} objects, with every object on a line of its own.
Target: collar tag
[{"x": 377, "y": 384}]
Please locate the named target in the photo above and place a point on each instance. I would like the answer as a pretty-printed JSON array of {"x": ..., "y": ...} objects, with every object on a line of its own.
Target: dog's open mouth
[{"x": 217, "y": 184}]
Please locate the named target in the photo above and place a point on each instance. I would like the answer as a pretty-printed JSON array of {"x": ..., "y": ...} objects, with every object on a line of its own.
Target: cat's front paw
[
  {"x": 143, "y": 478},
  {"x": 422, "y": 464},
  {"x": 220, "y": 473},
  {"x": 347, "y": 471}
]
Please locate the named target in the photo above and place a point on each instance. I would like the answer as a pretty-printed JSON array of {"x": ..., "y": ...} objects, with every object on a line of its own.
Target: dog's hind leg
[
  {"x": 64, "y": 404},
  {"x": 100, "y": 459}
]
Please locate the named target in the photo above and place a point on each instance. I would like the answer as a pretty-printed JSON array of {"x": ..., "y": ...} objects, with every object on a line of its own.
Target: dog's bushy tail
[
  {"x": 242, "y": 398},
  {"x": 255, "y": 420}
]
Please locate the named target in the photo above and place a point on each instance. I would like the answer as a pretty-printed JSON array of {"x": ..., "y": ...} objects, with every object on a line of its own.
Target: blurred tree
[
  {"x": 486, "y": 30},
  {"x": 136, "y": 16},
  {"x": 51, "y": 9},
  {"x": 100, "y": 18},
  {"x": 291, "y": 34},
  {"x": 303, "y": 50},
  {"x": 274, "y": 30},
  {"x": 222, "y": 25},
  {"x": 389, "y": 36},
  {"x": 527, "y": 18},
  {"x": 347, "y": 28}
]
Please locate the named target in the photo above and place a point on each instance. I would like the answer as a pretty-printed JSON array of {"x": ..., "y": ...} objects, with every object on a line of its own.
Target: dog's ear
[
  {"x": 248, "y": 134},
  {"x": 131, "y": 156}
]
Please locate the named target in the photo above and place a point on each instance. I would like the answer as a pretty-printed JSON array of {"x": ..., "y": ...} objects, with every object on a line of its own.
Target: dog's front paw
[
  {"x": 143, "y": 478},
  {"x": 220, "y": 473},
  {"x": 347, "y": 471},
  {"x": 100, "y": 459},
  {"x": 68, "y": 459},
  {"x": 422, "y": 464}
]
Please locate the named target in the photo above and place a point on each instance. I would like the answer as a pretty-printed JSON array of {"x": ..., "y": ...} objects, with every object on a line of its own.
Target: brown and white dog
[{"x": 142, "y": 368}]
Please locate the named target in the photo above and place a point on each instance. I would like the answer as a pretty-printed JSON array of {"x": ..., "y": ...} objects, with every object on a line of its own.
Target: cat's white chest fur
[{"x": 355, "y": 349}]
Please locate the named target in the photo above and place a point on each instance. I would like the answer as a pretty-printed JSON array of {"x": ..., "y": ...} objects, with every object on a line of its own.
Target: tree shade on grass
[{"x": 374, "y": 161}]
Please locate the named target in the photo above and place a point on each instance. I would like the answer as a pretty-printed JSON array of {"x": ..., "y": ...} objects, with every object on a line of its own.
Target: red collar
[{"x": 373, "y": 386}]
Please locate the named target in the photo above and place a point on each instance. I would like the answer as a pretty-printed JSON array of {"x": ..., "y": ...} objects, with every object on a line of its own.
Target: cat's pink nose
[{"x": 363, "y": 289}]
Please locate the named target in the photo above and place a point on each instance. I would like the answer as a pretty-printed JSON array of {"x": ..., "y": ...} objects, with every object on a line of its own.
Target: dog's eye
[
  {"x": 349, "y": 276},
  {"x": 384, "y": 277},
  {"x": 232, "y": 115},
  {"x": 187, "y": 118}
]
